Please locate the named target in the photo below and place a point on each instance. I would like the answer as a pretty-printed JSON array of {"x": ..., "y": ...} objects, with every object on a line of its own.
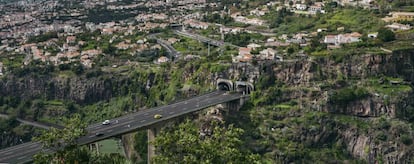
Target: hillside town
[{"x": 28, "y": 19}]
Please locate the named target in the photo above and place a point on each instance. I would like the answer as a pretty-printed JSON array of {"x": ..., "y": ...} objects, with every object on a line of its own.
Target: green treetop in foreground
[
  {"x": 63, "y": 143},
  {"x": 184, "y": 144}
]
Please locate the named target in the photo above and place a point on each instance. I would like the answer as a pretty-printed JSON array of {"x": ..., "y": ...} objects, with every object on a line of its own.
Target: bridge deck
[{"x": 124, "y": 124}]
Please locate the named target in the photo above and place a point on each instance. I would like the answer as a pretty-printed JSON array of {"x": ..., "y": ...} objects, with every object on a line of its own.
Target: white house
[
  {"x": 301, "y": 7},
  {"x": 162, "y": 59},
  {"x": 253, "y": 46},
  {"x": 267, "y": 54},
  {"x": 244, "y": 55},
  {"x": 342, "y": 38},
  {"x": 373, "y": 35},
  {"x": 398, "y": 26}
]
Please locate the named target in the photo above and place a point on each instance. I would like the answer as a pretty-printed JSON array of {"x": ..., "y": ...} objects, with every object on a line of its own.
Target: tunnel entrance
[
  {"x": 244, "y": 87},
  {"x": 224, "y": 86}
]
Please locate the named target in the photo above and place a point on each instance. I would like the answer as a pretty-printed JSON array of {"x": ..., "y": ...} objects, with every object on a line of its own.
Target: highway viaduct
[{"x": 233, "y": 94}]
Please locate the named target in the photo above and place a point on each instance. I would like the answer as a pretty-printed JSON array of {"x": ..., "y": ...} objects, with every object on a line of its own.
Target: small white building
[
  {"x": 398, "y": 26},
  {"x": 301, "y": 7},
  {"x": 373, "y": 35},
  {"x": 342, "y": 38},
  {"x": 162, "y": 59},
  {"x": 253, "y": 46},
  {"x": 267, "y": 54}
]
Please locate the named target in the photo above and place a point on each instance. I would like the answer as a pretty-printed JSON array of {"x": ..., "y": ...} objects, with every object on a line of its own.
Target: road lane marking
[
  {"x": 172, "y": 112},
  {"x": 91, "y": 136},
  {"x": 20, "y": 146},
  {"x": 142, "y": 121},
  {"x": 110, "y": 130},
  {"x": 146, "y": 114},
  {"x": 22, "y": 157},
  {"x": 112, "y": 127},
  {"x": 8, "y": 153}
]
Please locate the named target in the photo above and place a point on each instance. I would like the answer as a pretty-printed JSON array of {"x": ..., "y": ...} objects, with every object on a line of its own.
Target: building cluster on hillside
[
  {"x": 195, "y": 24},
  {"x": 242, "y": 19},
  {"x": 302, "y": 8},
  {"x": 339, "y": 39},
  {"x": 399, "y": 16},
  {"x": 18, "y": 25},
  {"x": 30, "y": 19},
  {"x": 364, "y": 3},
  {"x": 27, "y": 19},
  {"x": 245, "y": 54}
]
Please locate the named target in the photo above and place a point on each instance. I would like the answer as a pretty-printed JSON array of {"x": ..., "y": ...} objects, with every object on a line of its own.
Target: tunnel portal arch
[
  {"x": 245, "y": 87},
  {"x": 224, "y": 84}
]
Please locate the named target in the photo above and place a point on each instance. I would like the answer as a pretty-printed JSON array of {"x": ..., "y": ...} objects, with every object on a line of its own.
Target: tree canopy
[
  {"x": 386, "y": 35},
  {"x": 185, "y": 144},
  {"x": 63, "y": 142}
]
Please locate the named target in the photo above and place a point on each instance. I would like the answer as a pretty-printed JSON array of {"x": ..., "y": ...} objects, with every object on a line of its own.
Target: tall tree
[
  {"x": 63, "y": 143},
  {"x": 386, "y": 35},
  {"x": 185, "y": 144}
]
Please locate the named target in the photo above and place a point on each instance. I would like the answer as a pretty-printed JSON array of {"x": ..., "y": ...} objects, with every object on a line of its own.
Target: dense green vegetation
[
  {"x": 216, "y": 18},
  {"x": 346, "y": 95},
  {"x": 243, "y": 39},
  {"x": 184, "y": 144},
  {"x": 356, "y": 20},
  {"x": 386, "y": 35},
  {"x": 43, "y": 37}
]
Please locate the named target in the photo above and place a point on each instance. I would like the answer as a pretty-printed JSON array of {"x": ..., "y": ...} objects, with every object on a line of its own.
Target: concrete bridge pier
[
  {"x": 234, "y": 106},
  {"x": 152, "y": 132}
]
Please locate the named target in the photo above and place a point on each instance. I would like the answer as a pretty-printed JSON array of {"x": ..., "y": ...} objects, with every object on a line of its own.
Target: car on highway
[
  {"x": 106, "y": 122},
  {"x": 97, "y": 134},
  {"x": 157, "y": 116}
]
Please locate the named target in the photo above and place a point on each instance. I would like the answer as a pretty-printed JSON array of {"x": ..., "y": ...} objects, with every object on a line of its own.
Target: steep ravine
[{"x": 388, "y": 135}]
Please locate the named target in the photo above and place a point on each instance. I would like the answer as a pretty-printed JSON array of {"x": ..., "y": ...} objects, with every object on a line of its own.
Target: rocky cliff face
[
  {"x": 77, "y": 89},
  {"x": 392, "y": 144},
  {"x": 316, "y": 69}
]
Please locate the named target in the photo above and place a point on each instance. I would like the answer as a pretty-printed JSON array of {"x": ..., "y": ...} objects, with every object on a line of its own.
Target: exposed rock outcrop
[
  {"x": 361, "y": 144},
  {"x": 78, "y": 89}
]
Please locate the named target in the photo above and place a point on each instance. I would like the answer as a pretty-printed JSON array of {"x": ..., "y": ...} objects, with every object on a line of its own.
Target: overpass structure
[
  {"x": 203, "y": 39},
  {"x": 170, "y": 49},
  {"x": 34, "y": 123},
  {"x": 125, "y": 124}
]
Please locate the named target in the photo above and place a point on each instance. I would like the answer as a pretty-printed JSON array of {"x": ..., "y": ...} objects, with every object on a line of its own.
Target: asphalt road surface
[{"x": 24, "y": 152}]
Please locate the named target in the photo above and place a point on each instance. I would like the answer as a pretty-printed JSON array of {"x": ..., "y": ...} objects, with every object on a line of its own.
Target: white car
[{"x": 106, "y": 122}]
